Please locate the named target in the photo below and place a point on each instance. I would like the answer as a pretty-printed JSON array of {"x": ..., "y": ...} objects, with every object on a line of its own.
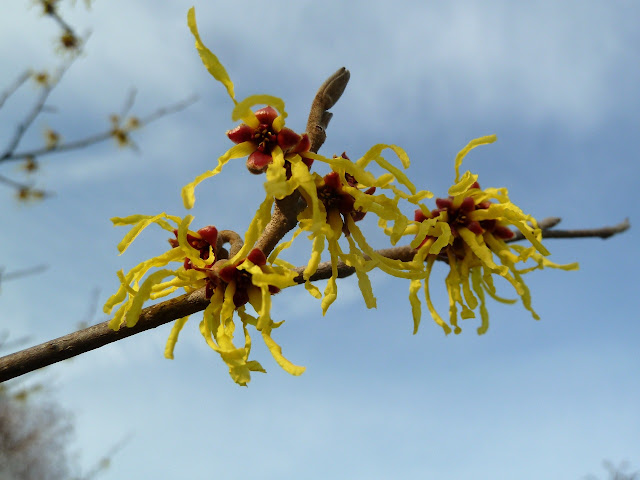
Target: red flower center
[{"x": 265, "y": 138}]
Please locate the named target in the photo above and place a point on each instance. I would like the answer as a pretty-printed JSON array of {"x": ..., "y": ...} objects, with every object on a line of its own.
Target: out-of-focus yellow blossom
[
  {"x": 68, "y": 43},
  {"x": 51, "y": 138},
  {"x": 29, "y": 194},
  {"x": 228, "y": 284},
  {"x": 120, "y": 132},
  {"x": 43, "y": 78},
  {"x": 30, "y": 164},
  {"x": 469, "y": 230},
  {"x": 48, "y": 6}
]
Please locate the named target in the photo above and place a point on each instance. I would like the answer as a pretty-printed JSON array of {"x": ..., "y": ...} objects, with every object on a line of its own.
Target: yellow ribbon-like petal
[
  {"x": 276, "y": 351},
  {"x": 209, "y": 60},
  {"x": 173, "y": 336},
  {"x": 237, "y": 151},
  {"x": 471, "y": 145},
  {"x": 242, "y": 111}
]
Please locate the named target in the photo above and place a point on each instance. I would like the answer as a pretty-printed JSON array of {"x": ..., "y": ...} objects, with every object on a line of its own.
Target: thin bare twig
[
  {"x": 22, "y": 273},
  {"x": 15, "y": 86},
  {"x": 60, "y": 21},
  {"x": 13, "y": 183},
  {"x": 35, "y": 111},
  {"x": 604, "y": 232},
  {"x": 100, "y": 137}
]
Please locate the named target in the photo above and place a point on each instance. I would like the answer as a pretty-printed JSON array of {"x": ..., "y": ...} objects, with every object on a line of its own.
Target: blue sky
[{"x": 556, "y": 81}]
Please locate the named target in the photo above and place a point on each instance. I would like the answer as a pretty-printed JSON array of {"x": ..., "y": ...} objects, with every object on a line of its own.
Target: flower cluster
[
  {"x": 229, "y": 284},
  {"x": 120, "y": 131},
  {"x": 470, "y": 230}
]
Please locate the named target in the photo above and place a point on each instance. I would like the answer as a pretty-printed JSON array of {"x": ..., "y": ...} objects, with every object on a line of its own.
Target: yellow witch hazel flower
[
  {"x": 229, "y": 285},
  {"x": 469, "y": 230},
  {"x": 262, "y": 137},
  {"x": 335, "y": 205}
]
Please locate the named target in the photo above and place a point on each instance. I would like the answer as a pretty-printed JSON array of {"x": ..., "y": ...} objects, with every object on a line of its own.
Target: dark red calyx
[
  {"x": 467, "y": 205},
  {"x": 503, "y": 232},
  {"x": 444, "y": 203},
  {"x": 475, "y": 227},
  {"x": 209, "y": 234},
  {"x": 257, "y": 257},
  {"x": 228, "y": 273},
  {"x": 488, "y": 225},
  {"x": 288, "y": 139},
  {"x": 418, "y": 216},
  {"x": 307, "y": 161},
  {"x": 304, "y": 145},
  {"x": 266, "y": 115},
  {"x": 258, "y": 162},
  {"x": 242, "y": 133}
]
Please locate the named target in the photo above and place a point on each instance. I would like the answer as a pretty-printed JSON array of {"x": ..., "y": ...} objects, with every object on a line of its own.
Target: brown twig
[
  {"x": 233, "y": 239},
  {"x": 35, "y": 111},
  {"x": 285, "y": 212},
  {"x": 99, "y": 137},
  {"x": 21, "y": 273},
  {"x": 328, "y": 94},
  {"x": 16, "y": 85},
  {"x": 99, "y": 335},
  {"x": 604, "y": 232}
]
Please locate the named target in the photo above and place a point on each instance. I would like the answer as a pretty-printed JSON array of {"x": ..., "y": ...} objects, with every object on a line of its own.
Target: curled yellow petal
[
  {"x": 476, "y": 280},
  {"x": 316, "y": 254},
  {"x": 132, "y": 315},
  {"x": 276, "y": 351},
  {"x": 364, "y": 283},
  {"x": 173, "y": 337},
  {"x": 481, "y": 250},
  {"x": 427, "y": 296},
  {"x": 331, "y": 290},
  {"x": 471, "y": 145},
  {"x": 237, "y": 151},
  {"x": 242, "y": 110},
  {"x": 416, "y": 308},
  {"x": 209, "y": 60},
  {"x": 463, "y": 185},
  {"x": 143, "y": 222},
  {"x": 255, "y": 229}
]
